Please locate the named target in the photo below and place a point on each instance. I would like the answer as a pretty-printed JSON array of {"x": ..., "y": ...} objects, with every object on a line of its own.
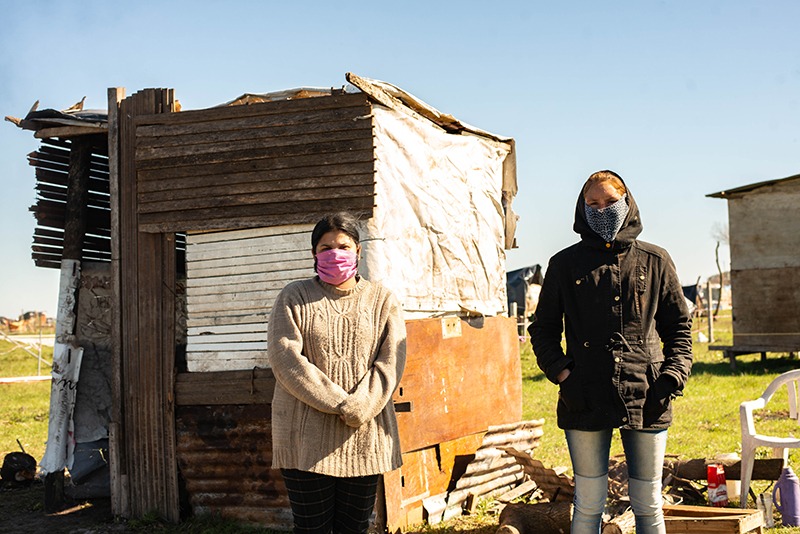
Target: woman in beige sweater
[{"x": 337, "y": 347}]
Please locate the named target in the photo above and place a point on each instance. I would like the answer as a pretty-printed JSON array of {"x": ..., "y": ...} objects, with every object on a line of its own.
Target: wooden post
[
  {"x": 709, "y": 313},
  {"x": 66, "y": 353},
  {"x": 120, "y": 499}
]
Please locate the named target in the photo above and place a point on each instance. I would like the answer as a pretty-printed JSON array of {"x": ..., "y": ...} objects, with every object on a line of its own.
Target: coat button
[
  {"x": 616, "y": 298},
  {"x": 617, "y": 359},
  {"x": 641, "y": 277},
  {"x": 608, "y": 245},
  {"x": 577, "y": 282},
  {"x": 624, "y": 418},
  {"x": 640, "y": 342},
  {"x": 586, "y": 344}
]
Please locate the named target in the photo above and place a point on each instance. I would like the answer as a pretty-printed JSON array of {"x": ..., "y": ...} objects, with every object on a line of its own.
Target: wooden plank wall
[
  {"x": 52, "y": 163},
  {"x": 259, "y": 165},
  {"x": 765, "y": 266},
  {"x": 233, "y": 278},
  {"x": 146, "y": 274}
]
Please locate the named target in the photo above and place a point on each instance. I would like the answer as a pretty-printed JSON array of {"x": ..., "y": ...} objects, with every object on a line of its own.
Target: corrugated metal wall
[
  {"x": 259, "y": 165},
  {"x": 232, "y": 280},
  {"x": 224, "y": 458}
]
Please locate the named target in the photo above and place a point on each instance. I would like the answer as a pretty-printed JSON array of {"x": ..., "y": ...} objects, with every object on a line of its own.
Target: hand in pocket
[{"x": 571, "y": 393}]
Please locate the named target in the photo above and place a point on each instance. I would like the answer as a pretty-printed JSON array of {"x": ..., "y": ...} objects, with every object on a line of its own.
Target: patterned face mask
[{"x": 606, "y": 222}]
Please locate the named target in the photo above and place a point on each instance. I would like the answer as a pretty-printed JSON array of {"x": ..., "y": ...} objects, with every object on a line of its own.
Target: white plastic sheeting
[{"x": 437, "y": 234}]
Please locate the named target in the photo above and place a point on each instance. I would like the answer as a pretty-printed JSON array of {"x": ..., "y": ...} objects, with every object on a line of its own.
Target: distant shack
[{"x": 764, "y": 229}]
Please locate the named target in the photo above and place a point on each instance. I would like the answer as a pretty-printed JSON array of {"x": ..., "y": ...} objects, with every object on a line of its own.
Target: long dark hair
[{"x": 341, "y": 221}]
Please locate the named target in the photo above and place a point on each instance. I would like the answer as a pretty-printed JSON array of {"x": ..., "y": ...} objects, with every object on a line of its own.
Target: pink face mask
[{"x": 335, "y": 266}]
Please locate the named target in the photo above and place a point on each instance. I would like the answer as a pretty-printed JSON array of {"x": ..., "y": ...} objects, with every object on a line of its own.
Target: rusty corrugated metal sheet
[
  {"x": 493, "y": 470},
  {"x": 224, "y": 457}
]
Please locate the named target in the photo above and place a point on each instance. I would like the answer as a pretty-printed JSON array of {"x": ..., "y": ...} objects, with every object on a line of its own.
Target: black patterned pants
[{"x": 323, "y": 504}]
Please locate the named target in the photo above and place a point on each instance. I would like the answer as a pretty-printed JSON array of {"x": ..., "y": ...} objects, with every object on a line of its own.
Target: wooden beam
[
  {"x": 69, "y": 131},
  {"x": 120, "y": 497}
]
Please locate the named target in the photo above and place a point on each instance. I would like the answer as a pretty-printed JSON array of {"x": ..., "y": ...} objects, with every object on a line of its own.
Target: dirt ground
[{"x": 22, "y": 512}]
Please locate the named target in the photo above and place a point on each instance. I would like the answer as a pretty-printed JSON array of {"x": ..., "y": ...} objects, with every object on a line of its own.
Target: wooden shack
[
  {"x": 764, "y": 230},
  {"x": 206, "y": 214}
]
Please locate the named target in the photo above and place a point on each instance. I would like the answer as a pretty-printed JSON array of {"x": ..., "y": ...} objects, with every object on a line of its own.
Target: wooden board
[
  {"x": 683, "y": 519},
  {"x": 259, "y": 165},
  {"x": 765, "y": 227},
  {"x": 766, "y": 307},
  {"x": 233, "y": 279},
  {"x": 459, "y": 385},
  {"x": 147, "y": 288}
]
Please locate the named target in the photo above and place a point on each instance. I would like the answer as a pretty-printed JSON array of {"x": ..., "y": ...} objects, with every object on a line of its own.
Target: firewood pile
[{"x": 549, "y": 492}]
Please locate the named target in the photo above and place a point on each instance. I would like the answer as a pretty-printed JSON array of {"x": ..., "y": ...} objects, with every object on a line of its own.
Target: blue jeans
[{"x": 644, "y": 453}]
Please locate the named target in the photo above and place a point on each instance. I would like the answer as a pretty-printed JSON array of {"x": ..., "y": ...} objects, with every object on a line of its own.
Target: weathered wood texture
[
  {"x": 450, "y": 398},
  {"x": 224, "y": 455},
  {"x": 267, "y": 164},
  {"x": 696, "y": 469},
  {"x": 254, "y": 386},
  {"x": 233, "y": 278},
  {"x": 117, "y": 463},
  {"x": 436, "y": 483},
  {"x": 54, "y": 162},
  {"x": 683, "y": 519},
  {"x": 765, "y": 266},
  {"x": 766, "y": 308},
  {"x": 147, "y": 273}
]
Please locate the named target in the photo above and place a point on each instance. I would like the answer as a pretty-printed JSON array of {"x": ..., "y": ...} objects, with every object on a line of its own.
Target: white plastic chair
[{"x": 751, "y": 440}]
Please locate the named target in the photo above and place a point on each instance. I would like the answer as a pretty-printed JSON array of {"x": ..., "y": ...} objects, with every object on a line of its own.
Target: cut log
[
  {"x": 621, "y": 524},
  {"x": 763, "y": 469},
  {"x": 542, "y": 518}
]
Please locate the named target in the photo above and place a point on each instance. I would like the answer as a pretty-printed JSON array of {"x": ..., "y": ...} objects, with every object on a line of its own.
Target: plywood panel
[{"x": 475, "y": 381}]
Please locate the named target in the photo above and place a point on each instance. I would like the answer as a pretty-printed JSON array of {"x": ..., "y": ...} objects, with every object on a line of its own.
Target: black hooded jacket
[{"x": 617, "y": 302}]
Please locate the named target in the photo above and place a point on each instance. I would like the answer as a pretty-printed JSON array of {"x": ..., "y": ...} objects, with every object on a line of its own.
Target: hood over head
[{"x": 630, "y": 230}]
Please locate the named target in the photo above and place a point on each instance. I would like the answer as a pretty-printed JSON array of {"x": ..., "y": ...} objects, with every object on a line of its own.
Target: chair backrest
[{"x": 792, "y": 381}]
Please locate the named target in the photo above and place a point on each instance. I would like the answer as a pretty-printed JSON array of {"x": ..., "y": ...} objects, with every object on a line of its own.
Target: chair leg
[{"x": 748, "y": 459}]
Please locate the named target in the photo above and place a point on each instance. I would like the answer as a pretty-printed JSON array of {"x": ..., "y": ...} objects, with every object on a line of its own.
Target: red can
[{"x": 717, "y": 490}]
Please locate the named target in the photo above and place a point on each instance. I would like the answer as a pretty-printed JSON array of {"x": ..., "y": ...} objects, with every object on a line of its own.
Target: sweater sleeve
[
  {"x": 547, "y": 326},
  {"x": 291, "y": 367},
  {"x": 376, "y": 387}
]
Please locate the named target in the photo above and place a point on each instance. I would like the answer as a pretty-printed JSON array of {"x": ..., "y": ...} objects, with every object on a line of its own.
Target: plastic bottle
[{"x": 786, "y": 497}]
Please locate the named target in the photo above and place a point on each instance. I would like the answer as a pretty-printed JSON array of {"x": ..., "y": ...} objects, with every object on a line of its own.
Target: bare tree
[{"x": 720, "y": 233}]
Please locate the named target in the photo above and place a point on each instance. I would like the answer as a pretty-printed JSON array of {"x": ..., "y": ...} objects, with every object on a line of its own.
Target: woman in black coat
[{"x": 620, "y": 305}]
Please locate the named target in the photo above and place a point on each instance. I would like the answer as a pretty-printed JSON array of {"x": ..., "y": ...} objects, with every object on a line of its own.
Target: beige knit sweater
[{"x": 336, "y": 353}]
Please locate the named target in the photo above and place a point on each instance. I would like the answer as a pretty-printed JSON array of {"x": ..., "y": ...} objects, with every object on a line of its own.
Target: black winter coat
[{"x": 618, "y": 303}]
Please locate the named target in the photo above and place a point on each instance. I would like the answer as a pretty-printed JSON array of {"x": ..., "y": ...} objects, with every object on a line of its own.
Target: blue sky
[{"x": 681, "y": 98}]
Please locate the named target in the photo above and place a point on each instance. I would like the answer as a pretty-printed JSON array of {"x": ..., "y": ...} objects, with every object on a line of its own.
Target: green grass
[
  {"x": 706, "y": 421},
  {"x": 17, "y": 362},
  {"x": 25, "y": 406},
  {"x": 706, "y": 418}
]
